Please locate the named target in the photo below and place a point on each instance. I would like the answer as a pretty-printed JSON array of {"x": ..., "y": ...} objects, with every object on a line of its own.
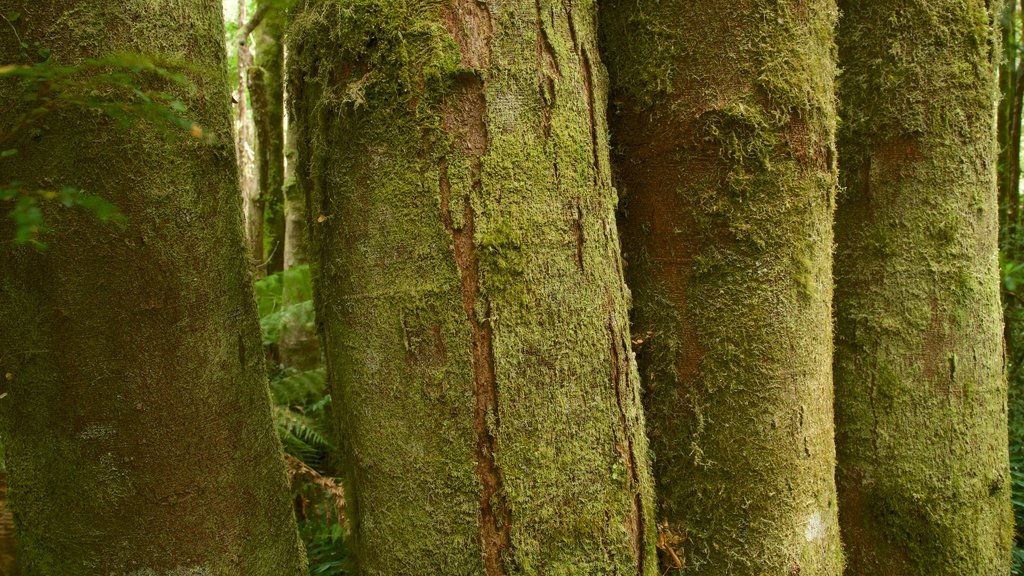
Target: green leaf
[
  {"x": 8, "y": 153},
  {"x": 13, "y": 16}
]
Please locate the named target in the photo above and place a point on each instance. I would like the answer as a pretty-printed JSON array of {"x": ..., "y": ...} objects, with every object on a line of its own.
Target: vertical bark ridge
[
  {"x": 636, "y": 521},
  {"x": 495, "y": 519},
  {"x": 465, "y": 116},
  {"x": 588, "y": 87}
]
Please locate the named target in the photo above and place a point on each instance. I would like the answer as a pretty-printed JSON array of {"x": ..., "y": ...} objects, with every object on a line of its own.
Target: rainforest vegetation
[{"x": 511, "y": 287}]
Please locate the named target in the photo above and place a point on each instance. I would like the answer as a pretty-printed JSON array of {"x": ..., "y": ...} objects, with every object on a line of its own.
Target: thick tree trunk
[
  {"x": 266, "y": 86},
  {"x": 920, "y": 391},
  {"x": 133, "y": 405},
  {"x": 469, "y": 287},
  {"x": 723, "y": 125}
]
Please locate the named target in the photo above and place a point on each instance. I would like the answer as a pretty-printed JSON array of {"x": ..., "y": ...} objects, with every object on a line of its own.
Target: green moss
[
  {"x": 729, "y": 180},
  {"x": 136, "y": 421},
  {"x": 501, "y": 257},
  {"x": 921, "y": 429},
  {"x": 443, "y": 145}
]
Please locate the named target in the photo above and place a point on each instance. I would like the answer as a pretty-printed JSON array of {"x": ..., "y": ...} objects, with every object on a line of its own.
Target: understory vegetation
[{"x": 302, "y": 413}]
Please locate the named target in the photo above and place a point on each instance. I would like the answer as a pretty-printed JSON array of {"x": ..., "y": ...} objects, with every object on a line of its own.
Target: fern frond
[{"x": 300, "y": 389}]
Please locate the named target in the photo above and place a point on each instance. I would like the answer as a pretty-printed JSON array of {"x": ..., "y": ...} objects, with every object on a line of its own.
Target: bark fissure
[
  {"x": 466, "y": 116},
  {"x": 636, "y": 520},
  {"x": 588, "y": 86},
  {"x": 495, "y": 519},
  {"x": 547, "y": 74}
]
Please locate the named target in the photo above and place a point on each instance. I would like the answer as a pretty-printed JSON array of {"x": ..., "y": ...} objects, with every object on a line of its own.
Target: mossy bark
[
  {"x": 134, "y": 410},
  {"x": 295, "y": 238},
  {"x": 299, "y": 346},
  {"x": 1008, "y": 108},
  {"x": 266, "y": 87},
  {"x": 920, "y": 392},
  {"x": 8, "y": 546},
  {"x": 469, "y": 287},
  {"x": 723, "y": 123}
]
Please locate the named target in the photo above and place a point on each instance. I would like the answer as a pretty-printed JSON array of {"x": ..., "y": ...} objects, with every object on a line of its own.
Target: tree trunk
[
  {"x": 245, "y": 149},
  {"x": 134, "y": 411},
  {"x": 299, "y": 347},
  {"x": 267, "y": 90},
  {"x": 1007, "y": 87},
  {"x": 469, "y": 287},
  {"x": 920, "y": 391},
  {"x": 723, "y": 125},
  {"x": 8, "y": 546},
  {"x": 295, "y": 242}
]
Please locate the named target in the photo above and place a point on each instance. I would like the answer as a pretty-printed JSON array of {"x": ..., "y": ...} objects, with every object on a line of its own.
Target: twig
[
  {"x": 16, "y": 35},
  {"x": 267, "y": 261}
]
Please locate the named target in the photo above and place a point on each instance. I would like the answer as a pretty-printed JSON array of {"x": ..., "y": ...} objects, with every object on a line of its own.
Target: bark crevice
[
  {"x": 466, "y": 118},
  {"x": 636, "y": 520}
]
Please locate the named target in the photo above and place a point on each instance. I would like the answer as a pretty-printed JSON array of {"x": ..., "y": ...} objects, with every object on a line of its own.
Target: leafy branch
[{"x": 120, "y": 87}]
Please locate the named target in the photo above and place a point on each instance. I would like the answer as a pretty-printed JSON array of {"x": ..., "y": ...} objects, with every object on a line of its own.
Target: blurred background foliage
[{"x": 302, "y": 412}]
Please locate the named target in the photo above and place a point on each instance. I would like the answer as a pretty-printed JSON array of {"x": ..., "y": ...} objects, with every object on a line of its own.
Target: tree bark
[
  {"x": 723, "y": 129},
  {"x": 1013, "y": 168},
  {"x": 469, "y": 287},
  {"x": 8, "y": 545},
  {"x": 266, "y": 87},
  {"x": 924, "y": 484},
  {"x": 246, "y": 145},
  {"x": 299, "y": 346},
  {"x": 1007, "y": 106},
  {"x": 134, "y": 411},
  {"x": 295, "y": 242}
]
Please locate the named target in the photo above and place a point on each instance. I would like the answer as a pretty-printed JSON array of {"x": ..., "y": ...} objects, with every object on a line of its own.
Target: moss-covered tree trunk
[
  {"x": 296, "y": 245},
  {"x": 469, "y": 287},
  {"x": 723, "y": 125},
  {"x": 298, "y": 346},
  {"x": 920, "y": 393},
  {"x": 8, "y": 545},
  {"x": 133, "y": 405},
  {"x": 1007, "y": 108},
  {"x": 266, "y": 86}
]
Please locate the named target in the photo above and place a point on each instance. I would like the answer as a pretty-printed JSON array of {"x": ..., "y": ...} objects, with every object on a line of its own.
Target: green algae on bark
[
  {"x": 723, "y": 122},
  {"x": 134, "y": 410},
  {"x": 920, "y": 393},
  {"x": 468, "y": 286}
]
